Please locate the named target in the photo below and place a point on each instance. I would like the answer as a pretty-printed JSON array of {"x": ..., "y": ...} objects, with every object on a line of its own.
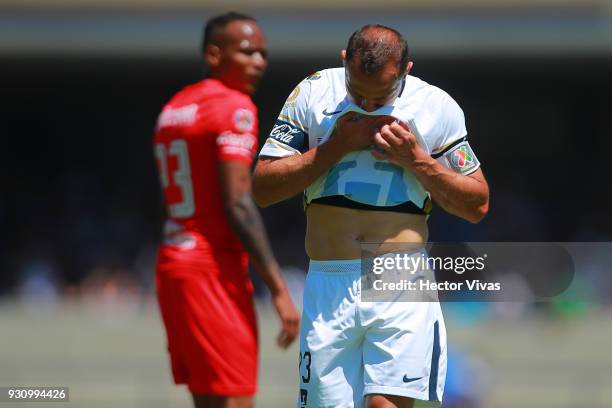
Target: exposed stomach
[{"x": 345, "y": 233}]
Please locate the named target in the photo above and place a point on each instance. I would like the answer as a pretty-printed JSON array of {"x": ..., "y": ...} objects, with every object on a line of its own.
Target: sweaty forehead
[{"x": 240, "y": 31}]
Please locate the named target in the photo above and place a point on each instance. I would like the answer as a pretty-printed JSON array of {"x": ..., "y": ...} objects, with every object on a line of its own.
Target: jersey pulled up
[{"x": 308, "y": 119}]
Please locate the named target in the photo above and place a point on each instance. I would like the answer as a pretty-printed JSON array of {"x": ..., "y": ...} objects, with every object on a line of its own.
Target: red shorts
[{"x": 206, "y": 302}]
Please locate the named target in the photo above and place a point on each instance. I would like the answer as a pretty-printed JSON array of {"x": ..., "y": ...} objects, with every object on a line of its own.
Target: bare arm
[
  {"x": 464, "y": 196},
  {"x": 277, "y": 179},
  {"x": 246, "y": 222}
]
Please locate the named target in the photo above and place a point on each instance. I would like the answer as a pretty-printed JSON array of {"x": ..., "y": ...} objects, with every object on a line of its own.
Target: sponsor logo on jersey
[
  {"x": 327, "y": 113},
  {"x": 291, "y": 100},
  {"x": 184, "y": 241},
  {"x": 284, "y": 132},
  {"x": 462, "y": 158},
  {"x": 244, "y": 120},
  {"x": 183, "y": 116},
  {"x": 240, "y": 141},
  {"x": 289, "y": 135}
]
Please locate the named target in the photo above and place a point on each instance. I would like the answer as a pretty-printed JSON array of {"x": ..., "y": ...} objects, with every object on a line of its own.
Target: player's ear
[
  {"x": 212, "y": 55},
  {"x": 409, "y": 66},
  {"x": 343, "y": 55}
]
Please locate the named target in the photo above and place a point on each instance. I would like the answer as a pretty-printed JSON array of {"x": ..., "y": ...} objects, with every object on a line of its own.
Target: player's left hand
[{"x": 395, "y": 143}]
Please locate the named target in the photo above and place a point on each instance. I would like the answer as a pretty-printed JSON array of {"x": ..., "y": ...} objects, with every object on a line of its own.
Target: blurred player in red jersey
[{"x": 205, "y": 141}]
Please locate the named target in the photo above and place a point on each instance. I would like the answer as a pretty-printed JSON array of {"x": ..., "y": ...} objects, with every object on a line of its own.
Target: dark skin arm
[{"x": 245, "y": 220}]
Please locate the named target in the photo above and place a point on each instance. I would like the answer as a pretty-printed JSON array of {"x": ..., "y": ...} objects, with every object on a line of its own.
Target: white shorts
[{"x": 350, "y": 348}]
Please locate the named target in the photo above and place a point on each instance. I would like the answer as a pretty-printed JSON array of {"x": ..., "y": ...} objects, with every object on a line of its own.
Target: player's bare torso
[{"x": 340, "y": 233}]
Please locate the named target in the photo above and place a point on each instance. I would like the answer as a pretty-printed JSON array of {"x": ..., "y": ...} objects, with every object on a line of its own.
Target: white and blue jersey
[
  {"x": 308, "y": 118},
  {"x": 351, "y": 345}
]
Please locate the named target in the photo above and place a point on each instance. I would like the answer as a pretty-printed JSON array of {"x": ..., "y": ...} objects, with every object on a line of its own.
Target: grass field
[{"x": 113, "y": 355}]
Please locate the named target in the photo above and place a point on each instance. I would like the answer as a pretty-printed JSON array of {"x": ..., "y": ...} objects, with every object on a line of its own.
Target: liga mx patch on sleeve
[
  {"x": 243, "y": 120},
  {"x": 462, "y": 159}
]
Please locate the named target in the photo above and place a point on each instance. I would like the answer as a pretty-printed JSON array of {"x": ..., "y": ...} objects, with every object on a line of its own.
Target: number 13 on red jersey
[{"x": 180, "y": 205}]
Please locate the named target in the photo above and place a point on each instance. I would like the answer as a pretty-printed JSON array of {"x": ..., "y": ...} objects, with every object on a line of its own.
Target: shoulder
[
  {"x": 233, "y": 108},
  {"x": 214, "y": 96},
  {"x": 239, "y": 112},
  {"x": 317, "y": 88},
  {"x": 180, "y": 98},
  {"x": 306, "y": 94},
  {"x": 432, "y": 99},
  {"x": 416, "y": 87},
  {"x": 191, "y": 93},
  {"x": 321, "y": 81},
  {"x": 331, "y": 75},
  {"x": 327, "y": 80},
  {"x": 437, "y": 95},
  {"x": 228, "y": 98},
  {"x": 181, "y": 109},
  {"x": 221, "y": 107}
]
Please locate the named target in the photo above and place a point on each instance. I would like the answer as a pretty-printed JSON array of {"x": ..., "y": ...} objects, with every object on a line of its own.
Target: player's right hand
[
  {"x": 356, "y": 131},
  {"x": 289, "y": 317}
]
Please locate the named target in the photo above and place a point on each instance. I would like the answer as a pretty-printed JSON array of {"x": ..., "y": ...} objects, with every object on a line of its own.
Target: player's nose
[{"x": 258, "y": 60}]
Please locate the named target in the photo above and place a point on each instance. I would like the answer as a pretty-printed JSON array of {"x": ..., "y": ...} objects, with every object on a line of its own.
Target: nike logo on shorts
[{"x": 407, "y": 380}]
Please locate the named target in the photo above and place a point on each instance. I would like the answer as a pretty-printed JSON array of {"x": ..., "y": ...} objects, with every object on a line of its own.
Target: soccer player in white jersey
[{"x": 370, "y": 146}]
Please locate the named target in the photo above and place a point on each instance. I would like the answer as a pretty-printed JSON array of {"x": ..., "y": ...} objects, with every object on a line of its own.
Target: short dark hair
[
  {"x": 374, "y": 51},
  {"x": 220, "y": 21}
]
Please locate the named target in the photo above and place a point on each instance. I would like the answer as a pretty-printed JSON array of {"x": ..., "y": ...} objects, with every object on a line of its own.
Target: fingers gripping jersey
[
  {"x": 308, "y": 118},
  {"x": 203, "y": 124}
]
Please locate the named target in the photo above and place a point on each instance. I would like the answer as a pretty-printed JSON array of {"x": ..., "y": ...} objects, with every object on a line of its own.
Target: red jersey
[
  {"x": 202, "y": 281},
  {"x": 203, "y": 124}
]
